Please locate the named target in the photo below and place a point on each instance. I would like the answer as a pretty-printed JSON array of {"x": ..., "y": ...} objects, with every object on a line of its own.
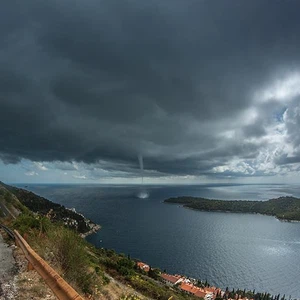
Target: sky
[{"x": 193, "y": 91}]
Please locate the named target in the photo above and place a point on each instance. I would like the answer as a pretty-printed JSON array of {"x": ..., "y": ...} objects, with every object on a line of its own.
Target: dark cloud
[{"x": 171, "y": 80}]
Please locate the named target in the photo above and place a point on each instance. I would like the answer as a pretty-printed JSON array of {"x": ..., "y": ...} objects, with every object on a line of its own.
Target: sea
[{"x": 231, "y": 250}]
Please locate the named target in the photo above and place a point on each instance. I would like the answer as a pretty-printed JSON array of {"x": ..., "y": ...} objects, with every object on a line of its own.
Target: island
[{"x": 284, "y": 208}]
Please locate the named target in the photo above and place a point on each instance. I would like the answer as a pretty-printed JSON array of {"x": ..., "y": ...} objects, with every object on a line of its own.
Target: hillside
[
  {"x": 94, "y": 273},
  {"x": 10, "y": 206},
  {"x": 285, "y": 208},
  {"x": 103, "y": 273},
  {"x": 57, "y": 212}
]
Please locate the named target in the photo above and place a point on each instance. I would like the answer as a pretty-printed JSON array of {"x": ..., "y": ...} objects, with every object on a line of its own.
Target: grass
[
  {"x": 125, "y": 270},
  {"x": 63, "y": 248},
  {"x": 69, "y": 253},
  {"x": 84, "y": 266}
]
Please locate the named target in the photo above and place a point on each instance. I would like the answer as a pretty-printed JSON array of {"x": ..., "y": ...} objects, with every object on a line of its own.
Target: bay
[{"x": 229, "y": 250}]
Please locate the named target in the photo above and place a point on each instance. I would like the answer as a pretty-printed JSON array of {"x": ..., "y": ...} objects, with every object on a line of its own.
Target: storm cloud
[{"x": 194, "y": 87}]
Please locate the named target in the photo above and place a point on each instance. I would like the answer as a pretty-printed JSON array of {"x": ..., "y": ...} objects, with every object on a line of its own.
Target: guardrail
[
  {"x": 8, "y": 231},
  {"x": 58, "y": 285}
]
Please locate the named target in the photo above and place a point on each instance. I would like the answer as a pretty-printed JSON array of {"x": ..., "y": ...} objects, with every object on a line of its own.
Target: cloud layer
[{"x": 195, "y": 87}]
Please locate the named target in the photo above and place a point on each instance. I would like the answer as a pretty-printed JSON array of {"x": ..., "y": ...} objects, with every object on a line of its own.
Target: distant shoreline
[
  {"x": 285, "y": 209},
  {"x": 240, "y": 212}
]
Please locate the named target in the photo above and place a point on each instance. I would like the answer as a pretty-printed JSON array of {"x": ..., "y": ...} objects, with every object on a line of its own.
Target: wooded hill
[
  {"x": 42, "y": 206},
  {"x": 285, "y": 208}
]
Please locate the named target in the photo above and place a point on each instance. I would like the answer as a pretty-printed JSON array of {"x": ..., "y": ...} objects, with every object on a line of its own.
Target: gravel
[{"x": 7, "y": 271}]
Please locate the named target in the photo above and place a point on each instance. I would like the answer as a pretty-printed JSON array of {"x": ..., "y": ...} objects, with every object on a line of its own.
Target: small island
[{"x": 284, "y": 208}]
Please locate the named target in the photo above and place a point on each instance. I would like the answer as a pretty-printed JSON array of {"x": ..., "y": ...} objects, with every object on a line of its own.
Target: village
[{"x": 191, "y": 286}]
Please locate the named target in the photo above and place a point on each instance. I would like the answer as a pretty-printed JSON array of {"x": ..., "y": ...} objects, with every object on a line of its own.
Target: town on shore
[{"x": 201, "y": 289}]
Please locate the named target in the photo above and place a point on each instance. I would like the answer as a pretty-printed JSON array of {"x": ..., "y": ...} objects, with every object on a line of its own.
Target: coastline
[
  {"x": 94, "y": 228},
  {"x": 233, "y": 212}
]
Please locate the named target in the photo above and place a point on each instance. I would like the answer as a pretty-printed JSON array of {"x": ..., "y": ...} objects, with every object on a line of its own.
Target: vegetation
[
  {"x": 86, "y": 268},
  {"x": 45, "y": 207},
  {"x": 234, "y": 294},
  {"x": 125, "y": 269},
  {"x": 61, "y": 247},
  {"x": 77, "y": 261},
  {"x": 286, "y": 208},
  {"x": 11, "y": 202}
]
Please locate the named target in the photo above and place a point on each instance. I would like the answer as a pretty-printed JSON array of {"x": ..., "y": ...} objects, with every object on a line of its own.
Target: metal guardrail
[
  {"x": 58, "y": 285},
  {"x": 8, "y": 231}
]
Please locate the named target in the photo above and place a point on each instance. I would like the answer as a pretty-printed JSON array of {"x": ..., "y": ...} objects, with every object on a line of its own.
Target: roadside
[
  {"x": 7, "y": 271},
  {"x": 16, "y": 282},
  {"x": 29, "y": 284}
]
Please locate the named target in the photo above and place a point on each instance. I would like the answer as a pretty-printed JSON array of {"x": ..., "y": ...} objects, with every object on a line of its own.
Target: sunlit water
[{"x": 235, "y": 250}]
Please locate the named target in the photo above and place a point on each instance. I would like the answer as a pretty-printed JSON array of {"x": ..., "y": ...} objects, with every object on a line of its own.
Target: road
[{"x": 7, "y": 265}]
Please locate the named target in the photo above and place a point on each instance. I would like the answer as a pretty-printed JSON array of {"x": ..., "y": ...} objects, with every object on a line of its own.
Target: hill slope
[
  {"x": 42, "y": 206},
  {"x": 10, "y": 206},
  {"x": 95, "y": 273}
]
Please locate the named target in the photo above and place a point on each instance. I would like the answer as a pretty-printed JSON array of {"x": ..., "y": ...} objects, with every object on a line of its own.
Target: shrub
[
  {"x": 70, "y": 254},
  {"x": 26, "y": 222}
]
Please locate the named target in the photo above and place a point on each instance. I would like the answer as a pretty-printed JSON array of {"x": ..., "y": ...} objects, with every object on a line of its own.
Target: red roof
[
  {"x": 190, "y": 288},
  {"x": 170, "y": 278},
  {"x": 200, "y": 294},
  {"x": 143, "y": 266},
  {"x": 210, "y": 289}
]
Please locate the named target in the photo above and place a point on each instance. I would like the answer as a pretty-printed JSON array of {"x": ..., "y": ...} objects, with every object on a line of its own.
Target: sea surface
[{"x": 228, "y": 249}]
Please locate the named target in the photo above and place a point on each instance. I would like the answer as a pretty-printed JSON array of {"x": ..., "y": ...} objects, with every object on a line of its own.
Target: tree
[{"x": 153, "y": 273}]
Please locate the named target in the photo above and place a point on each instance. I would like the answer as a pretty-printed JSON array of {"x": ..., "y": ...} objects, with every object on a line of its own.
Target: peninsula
[{"x": 284, "y": 208}]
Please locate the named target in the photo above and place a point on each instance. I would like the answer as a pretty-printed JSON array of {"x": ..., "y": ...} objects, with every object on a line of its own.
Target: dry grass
[{"x": 29, "y": 284}]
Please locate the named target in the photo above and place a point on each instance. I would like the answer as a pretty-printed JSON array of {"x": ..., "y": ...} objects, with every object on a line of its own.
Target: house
[
  {"x": 200, "y": 294},
  {"x": 211, "y": 289},
  {"x": 143, "y": 266},
  {"x": 171, "y": 280},
  {"x": 209, "y": 296},
  {"x": 191, "y": 289}
]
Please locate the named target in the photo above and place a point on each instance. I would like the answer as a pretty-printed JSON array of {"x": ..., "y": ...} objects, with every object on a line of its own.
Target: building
[
  {"x": 200, "y": 294},
  {"x": 209, "y": 296},
  {"x": 189, "y": 288},
  {"x": 143, "y": 266},
  {"x": 171, "y": 280}
]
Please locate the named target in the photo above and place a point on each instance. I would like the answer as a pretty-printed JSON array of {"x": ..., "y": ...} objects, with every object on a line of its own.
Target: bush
[
  {"x": 26, "y": 222},
  {"x": 70, "y": 254},
  {"x": 62, "y": 246},
  {"x": 8, "y": 197},
  {"x": 105, "y": 279}
]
